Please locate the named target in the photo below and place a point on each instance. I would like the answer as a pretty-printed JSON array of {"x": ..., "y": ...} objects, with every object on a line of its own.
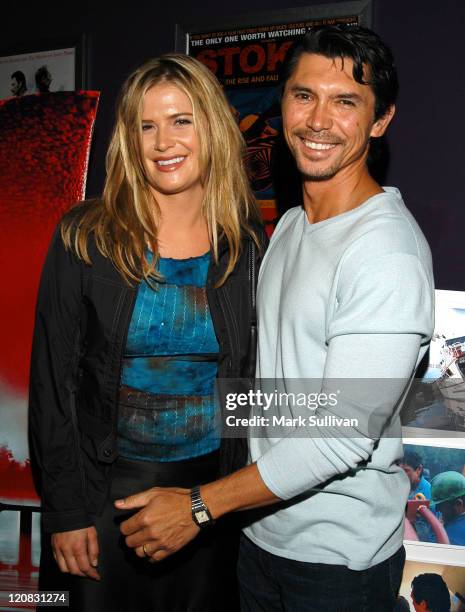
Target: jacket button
[{"x": 107, "y": 452}]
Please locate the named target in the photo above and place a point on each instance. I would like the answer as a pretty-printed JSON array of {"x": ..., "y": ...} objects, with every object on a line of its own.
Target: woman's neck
[{"x": 182, "y": 228}]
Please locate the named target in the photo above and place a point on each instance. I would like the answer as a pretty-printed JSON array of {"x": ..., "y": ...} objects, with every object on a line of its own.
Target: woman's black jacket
[{"x": 82, "y": 318}]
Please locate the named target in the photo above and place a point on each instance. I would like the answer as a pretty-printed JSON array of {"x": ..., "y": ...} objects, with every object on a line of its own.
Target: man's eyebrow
[
  {"x": 350, "y": 95},
  {"x": 346, "y": 95},
  {"x": 298, "y": 87}
]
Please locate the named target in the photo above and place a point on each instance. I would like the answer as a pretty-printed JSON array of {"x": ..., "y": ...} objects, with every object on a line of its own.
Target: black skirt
[{"x": 201, "y": 577}]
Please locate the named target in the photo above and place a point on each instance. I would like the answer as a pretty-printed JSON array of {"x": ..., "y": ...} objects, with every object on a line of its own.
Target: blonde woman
[{"x": 145, "y": 299}]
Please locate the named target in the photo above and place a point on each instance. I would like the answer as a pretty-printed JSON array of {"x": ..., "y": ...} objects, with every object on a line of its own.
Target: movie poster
[
  {"x": 247, "y": 62},
  {"x": 43, "y": 166},
  {"x": 37, "y": 72}
]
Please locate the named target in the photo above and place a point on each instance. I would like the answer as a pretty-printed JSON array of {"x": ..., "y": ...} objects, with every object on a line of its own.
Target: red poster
[{"x": 45, "y": 142}]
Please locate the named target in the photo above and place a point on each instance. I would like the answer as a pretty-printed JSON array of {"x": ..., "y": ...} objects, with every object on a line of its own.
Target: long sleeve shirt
[{"x": 347, "y": 299}]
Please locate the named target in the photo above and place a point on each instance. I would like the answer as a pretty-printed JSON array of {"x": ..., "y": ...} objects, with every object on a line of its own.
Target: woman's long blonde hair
[{"x": 124, "y": 220}]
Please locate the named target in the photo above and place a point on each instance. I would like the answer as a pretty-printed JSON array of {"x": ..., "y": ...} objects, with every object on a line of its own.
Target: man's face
[
  {"x": 414, "y": 475},
  {"x": 328, "y": 118},
  {"x": 14, "y": 86}
]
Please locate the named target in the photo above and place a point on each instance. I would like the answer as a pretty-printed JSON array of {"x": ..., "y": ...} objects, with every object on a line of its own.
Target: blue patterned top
[{"x": 170, "y": 364}]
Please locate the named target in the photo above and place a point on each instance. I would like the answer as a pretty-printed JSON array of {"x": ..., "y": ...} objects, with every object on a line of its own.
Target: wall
[{"x": 426, "y": 141}]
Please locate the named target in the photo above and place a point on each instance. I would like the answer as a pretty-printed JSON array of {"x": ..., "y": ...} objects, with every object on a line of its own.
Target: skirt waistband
[{"x": 184, "y": 473}]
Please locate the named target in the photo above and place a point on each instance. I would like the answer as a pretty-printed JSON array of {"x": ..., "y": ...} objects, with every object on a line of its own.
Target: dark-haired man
[
  {"x": 345, "y": 292},
  {"x": 448, "y": 493},
  {"x": 412, "y": 465},
  {"x": 420, "y": 488},
  {"x": 18, "y": 85},
  {"x": 43, "y": 79},
  {"x": 430, "y": 593}
]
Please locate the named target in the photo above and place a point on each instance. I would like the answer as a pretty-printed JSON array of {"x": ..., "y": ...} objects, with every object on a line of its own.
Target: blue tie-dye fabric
[{"x": 178, "y": 420}]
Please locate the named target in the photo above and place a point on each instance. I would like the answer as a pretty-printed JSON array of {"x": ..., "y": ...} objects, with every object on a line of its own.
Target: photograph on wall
[
  {"x": 435, "y": 512},
  {"x": 247, "y": 60},
  {"x": 431, "y": 586},
  {"x": 437, "y": 400},
  {"x": 38, "y": 72}
]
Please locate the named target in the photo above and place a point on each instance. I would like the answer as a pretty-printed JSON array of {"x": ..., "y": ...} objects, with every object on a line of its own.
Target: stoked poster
[{"x": 248, "y": 61}]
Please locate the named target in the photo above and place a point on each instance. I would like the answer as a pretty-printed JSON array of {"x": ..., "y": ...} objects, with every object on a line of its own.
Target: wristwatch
[{"x": 200, "y": 513}]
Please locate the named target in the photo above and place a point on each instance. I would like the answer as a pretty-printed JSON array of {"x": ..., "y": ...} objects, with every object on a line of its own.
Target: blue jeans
[{"x": 269, "y": 583}]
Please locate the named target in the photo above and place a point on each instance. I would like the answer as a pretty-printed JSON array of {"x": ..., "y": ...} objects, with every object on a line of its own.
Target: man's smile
[{"x": 318, "y": 146}]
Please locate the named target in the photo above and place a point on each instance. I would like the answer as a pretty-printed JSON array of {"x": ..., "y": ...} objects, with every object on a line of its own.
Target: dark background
[{"x": 426, "y": 139}]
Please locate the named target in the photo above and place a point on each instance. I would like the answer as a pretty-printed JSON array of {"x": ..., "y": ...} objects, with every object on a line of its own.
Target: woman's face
[{"x": 170, "y": 145}]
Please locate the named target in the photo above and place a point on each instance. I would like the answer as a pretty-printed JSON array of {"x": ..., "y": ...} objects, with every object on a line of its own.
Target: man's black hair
[
  {"x": 42, "y": 73},
  {"x": 364, "y": 48},
  {"x": 431, "y": 589},
  {"x": 412, "y": 459}
]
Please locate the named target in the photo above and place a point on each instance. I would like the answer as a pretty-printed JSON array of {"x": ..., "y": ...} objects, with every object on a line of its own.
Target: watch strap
[{"x": 200, "y": 513}]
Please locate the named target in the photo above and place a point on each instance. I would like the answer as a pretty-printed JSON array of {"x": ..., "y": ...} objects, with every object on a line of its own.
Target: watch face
[{"x": 202, "y": 516}]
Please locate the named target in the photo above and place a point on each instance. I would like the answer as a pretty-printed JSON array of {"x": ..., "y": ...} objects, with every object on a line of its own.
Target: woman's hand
[
  {"x": 164, "y": 525},
  {"x": 76, "y": 552}
]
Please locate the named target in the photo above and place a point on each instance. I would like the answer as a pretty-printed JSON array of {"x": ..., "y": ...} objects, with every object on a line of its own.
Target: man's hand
[
  {"x": 164, "y": 525},
  {"x": 76, "y": 552}
]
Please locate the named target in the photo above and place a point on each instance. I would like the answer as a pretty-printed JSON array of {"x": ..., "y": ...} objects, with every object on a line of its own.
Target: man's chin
[
  {"x": 312, "y": 172},
  {"x": 318, "y": 175}
]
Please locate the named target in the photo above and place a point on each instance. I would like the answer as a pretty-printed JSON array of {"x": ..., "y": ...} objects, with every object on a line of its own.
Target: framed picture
[
  {"x": 246, "y": 53},
  {"x": 436, "y": 404},
  {"x": 435, "y": 530},
  {"x": 42, "y": 68},
  {"x": 282, "y": 20},
  {"x": 442, "y": 584}
]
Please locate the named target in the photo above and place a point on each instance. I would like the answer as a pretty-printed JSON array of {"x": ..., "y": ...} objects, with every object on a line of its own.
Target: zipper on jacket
[
  {"x": 249, "y": 369},
  {"x": 252, "y": 282}
]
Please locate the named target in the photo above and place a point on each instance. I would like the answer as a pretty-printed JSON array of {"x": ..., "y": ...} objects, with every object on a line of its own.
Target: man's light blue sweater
[{"x": 351, "y": 297}]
